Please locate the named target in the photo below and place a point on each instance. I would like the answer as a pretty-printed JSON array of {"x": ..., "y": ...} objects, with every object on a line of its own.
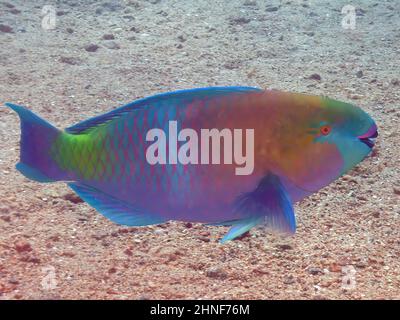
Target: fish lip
[
  {"x": 368, "y": 138},
  {"x": 370, "y": 142}
]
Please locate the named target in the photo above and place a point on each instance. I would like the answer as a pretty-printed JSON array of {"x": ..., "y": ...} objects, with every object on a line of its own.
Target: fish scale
[{"x": 301, "y": 144}]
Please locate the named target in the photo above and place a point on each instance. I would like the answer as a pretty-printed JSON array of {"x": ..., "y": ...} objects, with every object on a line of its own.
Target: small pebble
[
  {"x": 15, "y": 11},
  {"x": 71, "y": 61},
  {"x": 6, "y": 29},
  {"x": 360, "y": 12},
  {"x": 5, "y": 218},
  {"x": 284, "y": 246},
  {"x": 72, "y": 197},
  {"x": 112, "y": 270},
  {"x": 356, "y": 96},
  {"x": 289, "y": 280},
  {"x": 128, "y": 252},
  {"x": 395, "y": 82},
  {"x": 23, "y": 246},
  {"x": 319, "y": 297},
  {"x": 182, "y": 38},
  {"x": 68, "y": 254},
  {"x": 216, "y": 273},
  {"x": 188, "y": 225},
  {"x": 250, "y": 3},
  {"x": 272, "y": 9},
  {"x": 91, "y": 48},
  {"x": 30, "y": 258},
  {"x": 112, "y": 6},
  {"x": 204, "y": 239},
  {"x": 240, "y": 21},
  {"x": 99, "y": 236},
  {"x": 129, "y": 17},
  {"x": 334, "y": 267},
  {"x": 376, "y": 214},
  {"x": 112, "y": 45},
  {"x": 8, "y": 5},
  {"x": 4, "y": 209},
  {"x": 361, "y": 264},
  {"x": 315, "y": 76},
  {"x": 315, "y": 271},
  {"x": 108, "y": 37}
]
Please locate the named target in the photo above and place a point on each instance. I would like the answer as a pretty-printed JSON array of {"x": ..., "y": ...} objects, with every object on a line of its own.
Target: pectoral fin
[{"x": 268, "y": 203}]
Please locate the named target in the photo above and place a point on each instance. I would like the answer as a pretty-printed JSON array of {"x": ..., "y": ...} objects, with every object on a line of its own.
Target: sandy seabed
[{"x": 103, "y": 54}]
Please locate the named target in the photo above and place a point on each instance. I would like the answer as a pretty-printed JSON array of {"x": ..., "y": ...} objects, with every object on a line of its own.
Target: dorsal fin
[{"x": 180, "y": 96}]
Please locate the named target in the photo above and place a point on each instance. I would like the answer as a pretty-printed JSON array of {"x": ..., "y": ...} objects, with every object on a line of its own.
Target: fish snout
[{"x": 369, "y": 137}]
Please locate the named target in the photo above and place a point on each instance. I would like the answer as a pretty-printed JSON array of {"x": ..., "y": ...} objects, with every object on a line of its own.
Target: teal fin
[
  {"x": 32, "y": 173},
  {"x": 114, "y": 209},
  {"x": 269, "y": 203},
  {"x": 179, "y": 97},
  {"x": 241, "y": 227}
]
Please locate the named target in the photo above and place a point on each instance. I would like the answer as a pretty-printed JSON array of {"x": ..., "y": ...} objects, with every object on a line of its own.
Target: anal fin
[{"x": 114, "y": 209}]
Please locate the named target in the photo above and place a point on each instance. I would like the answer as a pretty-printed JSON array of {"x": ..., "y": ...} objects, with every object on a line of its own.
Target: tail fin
[{"x": 37, "y": 136}]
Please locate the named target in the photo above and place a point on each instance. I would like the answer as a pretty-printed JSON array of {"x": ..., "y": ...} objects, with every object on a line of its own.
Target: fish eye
[{"x": 325, "y": 130}]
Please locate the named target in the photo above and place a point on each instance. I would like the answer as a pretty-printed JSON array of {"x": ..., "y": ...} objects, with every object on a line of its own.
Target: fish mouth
[{"x": 369, "y": 137}]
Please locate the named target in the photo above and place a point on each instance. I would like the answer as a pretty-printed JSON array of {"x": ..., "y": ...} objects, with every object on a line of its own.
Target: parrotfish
[{"x": 299, "y": 144}]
